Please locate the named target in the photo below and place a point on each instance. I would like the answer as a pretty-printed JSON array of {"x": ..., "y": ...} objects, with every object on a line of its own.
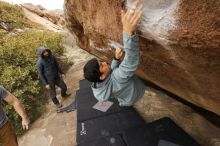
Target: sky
[{"x": 48, "y": 4}]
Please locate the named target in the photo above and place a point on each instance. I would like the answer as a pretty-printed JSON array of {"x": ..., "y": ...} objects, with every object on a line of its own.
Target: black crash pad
[
  {"x": 85, "y": 111},
  {"x": 115, "y": 140},
  {"x": 84, "y": 84},
  {"x": 85, "y": 95},
  {"x": 107, "y": 125},
  {"x": 163, "y": 132},
  {"x": 85, "y": 102}
]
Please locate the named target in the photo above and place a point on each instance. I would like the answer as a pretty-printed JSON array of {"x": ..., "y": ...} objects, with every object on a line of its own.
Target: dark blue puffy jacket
[{"x": 48, "y": 68}]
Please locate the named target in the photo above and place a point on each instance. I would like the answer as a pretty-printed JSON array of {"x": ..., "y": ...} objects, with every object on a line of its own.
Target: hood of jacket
[{"x": 41, "y": 50}]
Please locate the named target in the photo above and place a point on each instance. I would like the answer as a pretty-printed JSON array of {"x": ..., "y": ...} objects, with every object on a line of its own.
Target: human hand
[
  {"x": 131, "y": 17},
  {"x": 118, "y": 53},
  {"x": 47, "y": 86},
  {"x": 25, "y": 123}
]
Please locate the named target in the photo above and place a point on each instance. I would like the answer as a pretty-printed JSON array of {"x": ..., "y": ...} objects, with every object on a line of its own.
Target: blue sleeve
[
  {"x": 115, "y": 64},
  {"x": 3, "y": 92},
  {"x": 131, "y": 60},
  {"x": 40, "y": 70}
]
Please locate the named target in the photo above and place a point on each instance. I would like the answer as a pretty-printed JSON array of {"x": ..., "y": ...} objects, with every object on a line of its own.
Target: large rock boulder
[
  {"x": 53, "y": 16},
  {"x": 179, "y": 41}
]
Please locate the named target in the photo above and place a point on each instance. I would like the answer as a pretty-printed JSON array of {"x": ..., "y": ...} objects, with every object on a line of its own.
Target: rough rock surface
[
  {"x": 55, "y": 16},
  {"x": 180, "y": 42},
  {"x": 41, "y": 22}
]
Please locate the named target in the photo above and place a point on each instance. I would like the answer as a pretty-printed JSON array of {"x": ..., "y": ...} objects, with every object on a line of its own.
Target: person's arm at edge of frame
[{"x": 12, "y": 100}]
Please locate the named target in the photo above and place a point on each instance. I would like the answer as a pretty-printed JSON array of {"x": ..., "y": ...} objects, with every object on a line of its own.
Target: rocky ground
[
  {"x": 156, "y": 104},
  {"x": 41, "y": 21}
]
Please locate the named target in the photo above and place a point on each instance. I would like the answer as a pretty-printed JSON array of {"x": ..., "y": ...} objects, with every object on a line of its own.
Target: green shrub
[
  {"x": 18, "y": 57},
  {"x": 12, "y": 16}
]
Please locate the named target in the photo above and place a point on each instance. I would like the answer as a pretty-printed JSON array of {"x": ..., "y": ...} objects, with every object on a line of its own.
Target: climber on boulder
[{"x": 118, "y": 80}]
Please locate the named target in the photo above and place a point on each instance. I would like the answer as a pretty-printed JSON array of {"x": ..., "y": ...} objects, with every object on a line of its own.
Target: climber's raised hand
[
  {"x": 131, "y": 17},
  {"x": 118, "y": 53}
]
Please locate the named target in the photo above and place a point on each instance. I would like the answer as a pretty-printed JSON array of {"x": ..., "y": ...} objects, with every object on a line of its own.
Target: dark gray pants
[{"x": 60, "y": 83}]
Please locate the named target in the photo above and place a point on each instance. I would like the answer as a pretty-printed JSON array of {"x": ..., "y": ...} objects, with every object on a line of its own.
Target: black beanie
[{"x": 91, "y": 70}]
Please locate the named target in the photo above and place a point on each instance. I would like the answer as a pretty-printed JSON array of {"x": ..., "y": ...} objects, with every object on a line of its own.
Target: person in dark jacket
[{"x": 50, "y": 72}]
